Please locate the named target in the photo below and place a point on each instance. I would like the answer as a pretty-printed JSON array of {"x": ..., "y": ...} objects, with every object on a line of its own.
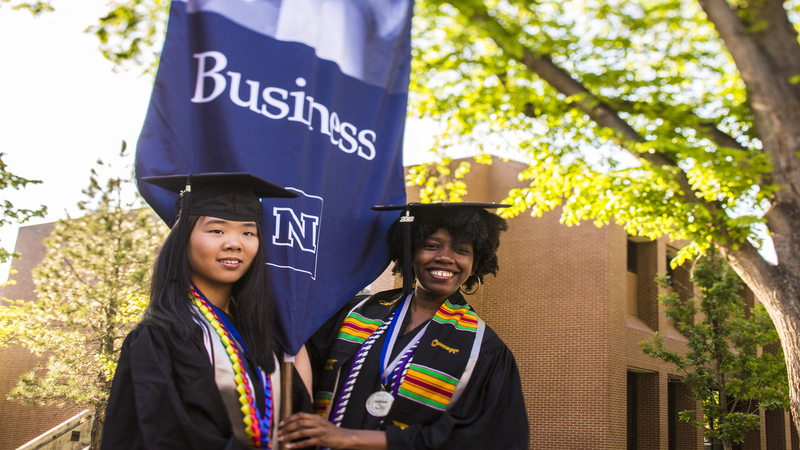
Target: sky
[{"x": 61, "y": 107}]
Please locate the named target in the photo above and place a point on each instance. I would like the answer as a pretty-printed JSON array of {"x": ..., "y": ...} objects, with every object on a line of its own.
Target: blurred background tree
[
  {"x": 92, "y": 286},
  {"x": 725, "y": 367},
  {"x": 9, "y": 213}
]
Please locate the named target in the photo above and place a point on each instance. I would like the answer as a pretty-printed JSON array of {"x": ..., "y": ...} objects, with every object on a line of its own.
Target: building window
[
  {"x": 632, "y": 260},
  {"x": 76, "y": 436},
  {"x": 672, "y": 416},
  {"x": 670, "y": 271},
  {"x": 633, "y": 410}
]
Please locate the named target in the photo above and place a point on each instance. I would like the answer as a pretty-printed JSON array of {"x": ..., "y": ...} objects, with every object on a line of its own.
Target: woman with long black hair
[{"x": 199, "y": 371}]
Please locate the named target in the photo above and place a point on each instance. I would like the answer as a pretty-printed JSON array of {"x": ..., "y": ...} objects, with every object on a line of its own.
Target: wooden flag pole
[{"x": 287, "y": 374}]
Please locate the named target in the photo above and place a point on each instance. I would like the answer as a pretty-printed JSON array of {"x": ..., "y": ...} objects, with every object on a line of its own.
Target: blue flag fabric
[{"x": 308, "y": 94}]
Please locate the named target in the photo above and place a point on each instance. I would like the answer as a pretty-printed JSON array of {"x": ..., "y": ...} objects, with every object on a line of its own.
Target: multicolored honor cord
[{"x": 257, "y": 424}]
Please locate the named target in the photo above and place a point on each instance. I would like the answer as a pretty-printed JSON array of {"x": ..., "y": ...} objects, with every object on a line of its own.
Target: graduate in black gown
[
  {"x": 417, "y": 369},
  {"x": 199, "y": 371}
]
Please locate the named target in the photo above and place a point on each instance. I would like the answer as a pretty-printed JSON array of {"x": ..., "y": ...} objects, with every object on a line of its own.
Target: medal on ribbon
[{"x": 379, "y": 403}]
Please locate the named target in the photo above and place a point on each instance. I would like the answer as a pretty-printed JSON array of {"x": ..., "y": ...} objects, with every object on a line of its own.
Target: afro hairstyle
[{"x": 474, "y": 225}]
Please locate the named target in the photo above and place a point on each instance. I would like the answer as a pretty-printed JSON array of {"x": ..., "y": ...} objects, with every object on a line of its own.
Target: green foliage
[
  {"x": 656, "y": 68},
  {"x": 92, "y": 287},
  {"x": 34, "y": 8},
  {"x": 131, "y": 31},
  {"x": 616, "y": 106},
  {"x": 9, "y": 213},
  {"x": 723, "y": 367},
  {"x": 626, "y": 111},
  {"x": 10, "y": 321},
  {"x": 439, "y": 182}
]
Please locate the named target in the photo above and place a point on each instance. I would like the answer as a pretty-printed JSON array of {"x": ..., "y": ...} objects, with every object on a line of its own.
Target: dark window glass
[
  {"x": 632, "y": 260},
  {"x": 633, "y": 412},
  {"x": 670, "y": 272},
  {"x": 672, "y": 415},
  {"x": 76, "y": 436}
]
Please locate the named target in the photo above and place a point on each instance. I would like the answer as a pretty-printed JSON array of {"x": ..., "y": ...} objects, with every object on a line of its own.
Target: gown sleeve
[
  {"x": 322, "y": 340},
  {"x": 164, "y": 397},
  {"x": 490, "y": 414}
]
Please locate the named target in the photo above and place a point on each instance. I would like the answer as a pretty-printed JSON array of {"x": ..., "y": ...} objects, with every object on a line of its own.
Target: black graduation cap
[
  {"x": 230, "y": 196},
  {"x": 422, "y": 208}
]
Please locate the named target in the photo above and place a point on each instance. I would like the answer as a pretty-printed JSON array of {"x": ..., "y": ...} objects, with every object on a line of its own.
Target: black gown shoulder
[{"x": 164, "y": 395}]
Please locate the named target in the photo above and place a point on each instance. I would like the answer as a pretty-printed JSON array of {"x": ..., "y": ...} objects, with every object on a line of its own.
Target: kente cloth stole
[{"x": 435, "y": 375}]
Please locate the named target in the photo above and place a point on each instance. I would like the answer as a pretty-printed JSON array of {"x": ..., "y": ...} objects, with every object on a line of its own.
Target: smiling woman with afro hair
[
  {"x": 474, "y": 226},
  {"x": 405, "y": 369}
]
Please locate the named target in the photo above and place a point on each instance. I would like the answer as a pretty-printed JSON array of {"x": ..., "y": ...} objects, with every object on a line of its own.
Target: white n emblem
[{"x": 289, "y": 229}]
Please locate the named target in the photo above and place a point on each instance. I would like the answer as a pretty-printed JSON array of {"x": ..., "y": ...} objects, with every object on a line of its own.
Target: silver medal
[{"x": 379, "y": 403}]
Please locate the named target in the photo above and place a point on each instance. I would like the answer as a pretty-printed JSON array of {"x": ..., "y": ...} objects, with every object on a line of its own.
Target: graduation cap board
[
  {"x": 230, "y": 196},
  {"x": 407, "y": 219}
]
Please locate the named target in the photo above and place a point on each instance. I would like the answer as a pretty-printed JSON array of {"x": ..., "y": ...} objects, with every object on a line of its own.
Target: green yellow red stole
[{"x": 437, "y": 372}]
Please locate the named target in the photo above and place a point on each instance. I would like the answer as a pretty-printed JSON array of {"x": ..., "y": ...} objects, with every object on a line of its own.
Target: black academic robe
[
  {"x": 489, "y": 415},
  {"x": 164, "y": 395}
]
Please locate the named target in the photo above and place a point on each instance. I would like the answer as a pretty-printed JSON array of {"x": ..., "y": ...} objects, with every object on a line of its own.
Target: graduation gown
[
  {"x": 489, "y": 414},
  {"x": 164, "y": 395}
]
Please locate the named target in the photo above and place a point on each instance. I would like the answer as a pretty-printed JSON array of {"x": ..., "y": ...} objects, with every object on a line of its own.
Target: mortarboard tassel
[{"x": 407, "y": 263}]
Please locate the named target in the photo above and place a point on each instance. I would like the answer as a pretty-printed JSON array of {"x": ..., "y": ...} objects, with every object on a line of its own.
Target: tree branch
[
  {"x": 753, "y": 269},
  {"x": 775, "y": 107},
  {"x": 75, "y": 272},
  {"x": 776, "y": 36},
  {"x": 606, "y": 116},
  {"x": 753, "y": 64},
  {"x": 709, "y": 129},
  {"x": 600, "y": 112}
]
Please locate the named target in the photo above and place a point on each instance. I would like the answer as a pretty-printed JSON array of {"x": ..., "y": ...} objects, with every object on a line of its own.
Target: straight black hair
[{"x": 252, "y": 310}]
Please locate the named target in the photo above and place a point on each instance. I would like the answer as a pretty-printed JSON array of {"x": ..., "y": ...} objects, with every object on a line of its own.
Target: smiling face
[
  {"x": 220, "y": 253},
  {"x": 442, "y": 265}
]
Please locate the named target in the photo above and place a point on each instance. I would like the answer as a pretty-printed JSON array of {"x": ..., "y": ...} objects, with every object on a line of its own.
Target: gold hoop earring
[{"x": 476, "y": 289}]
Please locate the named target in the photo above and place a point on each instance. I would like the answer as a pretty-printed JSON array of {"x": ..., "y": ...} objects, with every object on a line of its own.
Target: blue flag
[{"x": 308, "y": 94}]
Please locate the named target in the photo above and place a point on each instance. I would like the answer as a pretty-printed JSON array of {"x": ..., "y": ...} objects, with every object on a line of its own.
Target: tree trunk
[
  {"x": 727, "y": 444},
  {"x": 97, "y": 427},
  {"x": 766, "y": 57},
  {"x": 778, "y": 290}
]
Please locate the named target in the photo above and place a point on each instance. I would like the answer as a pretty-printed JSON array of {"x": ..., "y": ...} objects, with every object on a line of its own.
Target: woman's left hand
[{"x": 303, "y": 430}]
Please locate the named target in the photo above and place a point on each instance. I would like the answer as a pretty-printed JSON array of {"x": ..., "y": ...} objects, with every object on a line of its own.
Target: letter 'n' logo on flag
[
  {"x": 290, "y": 230},
  {"x": 295, "y": 227}
]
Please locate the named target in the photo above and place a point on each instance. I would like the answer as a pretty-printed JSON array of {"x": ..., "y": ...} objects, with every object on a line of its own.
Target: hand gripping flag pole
[{"x": 287, "y": 372}]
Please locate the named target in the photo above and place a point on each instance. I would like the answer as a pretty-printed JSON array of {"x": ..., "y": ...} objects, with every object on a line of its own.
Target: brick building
[
  {"x": 20, "y": 423},
  {"x": 573, "y": 304}
]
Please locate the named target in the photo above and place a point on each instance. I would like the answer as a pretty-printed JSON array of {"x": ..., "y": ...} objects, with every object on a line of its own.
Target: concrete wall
[{"x": 73, "y": 434}]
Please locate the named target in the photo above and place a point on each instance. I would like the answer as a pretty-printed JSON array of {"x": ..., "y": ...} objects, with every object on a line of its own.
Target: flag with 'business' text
[{"x": 308, "y": 94}]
